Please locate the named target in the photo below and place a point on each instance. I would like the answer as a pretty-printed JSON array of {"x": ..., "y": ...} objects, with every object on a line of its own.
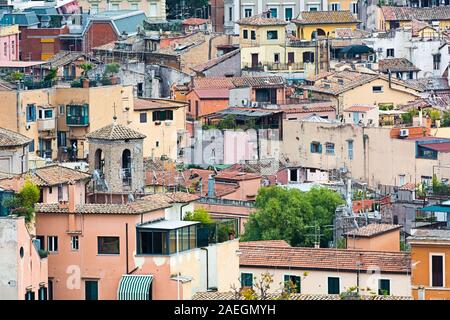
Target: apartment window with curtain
[{"x": 272, "y": 35}]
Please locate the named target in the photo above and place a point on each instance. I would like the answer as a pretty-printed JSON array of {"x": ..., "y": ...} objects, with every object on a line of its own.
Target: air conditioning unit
[
  {"x": 404, "y": 133},
  {"x": 245, "y": 102},
  {"x": 168, "y": 123},
  {"x": 254, "y": 104}
]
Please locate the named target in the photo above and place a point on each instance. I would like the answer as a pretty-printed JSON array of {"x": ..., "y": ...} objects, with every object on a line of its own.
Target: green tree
[
  {"x": 86, "y": 67},
  {"x": 17, "y": 75},
  {"x": 228, "y": 122},
  {"x": 51, "y": 75},
  {"x": 112, "y": 68},
  {"x": 23, "y": 202},
  {"x": 289, "y": 214},
  {"x": 199, "y": 214},
  {"x": 189, "y": 8},
  {"x": 408, "y": 117}
]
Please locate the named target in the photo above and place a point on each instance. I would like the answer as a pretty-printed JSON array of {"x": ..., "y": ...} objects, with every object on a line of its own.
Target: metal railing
[
  {"x": 274, "y": 66},
  {"x": 227, "y": 202}
]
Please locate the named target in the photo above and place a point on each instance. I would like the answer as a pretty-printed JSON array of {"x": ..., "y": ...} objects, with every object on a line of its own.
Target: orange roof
[
  {"x": 323, "y": 259},
  {"x": 359, "y": 108},
  {"x": 373, "y": 229},
  {"x": 269, "y": 243},
  {"x": 194, "y": 21},
  {"x": 213, "y": 82},
  {"x": 237, "y": 176}
]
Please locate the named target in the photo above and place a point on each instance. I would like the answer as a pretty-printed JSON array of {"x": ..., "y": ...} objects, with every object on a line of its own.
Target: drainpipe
[
  {"x": 126, "y": 245},
  {"x": 207, "y": 268}
]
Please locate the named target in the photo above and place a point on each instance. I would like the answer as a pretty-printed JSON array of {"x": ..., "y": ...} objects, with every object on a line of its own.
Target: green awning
[
  {"x": 135, "y": 287},
  {"x": 436, "y": 208}
]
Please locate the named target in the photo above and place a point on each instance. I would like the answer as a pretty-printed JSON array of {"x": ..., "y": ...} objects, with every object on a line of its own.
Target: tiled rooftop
[
  {"x": 359, "y": 108},
  {"x": 214, "y": 295},
  {"x": 10, "y": 138},
  {"x": 194, "y": 21},
  {"x": 396, "y": 65},
  {"x": 261, "y": 20},
  {"x": 409, "y": 13},
  {"x": 213, "y": 62},
  {"x": 154, "y": 104},
  {"x": 115, "y": 132},
  {"x": 323, "y": 259},
  {"x": 372, "y": 230},
  {"x": 325, "y": 17},
  {"x": 56, "y": 174}
]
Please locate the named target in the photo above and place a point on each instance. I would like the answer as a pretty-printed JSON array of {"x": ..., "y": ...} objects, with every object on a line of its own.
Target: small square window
[
  {"x": 74, "y": 243},
  {"x": 143, "y": 117},
  {"x": 52, "y": 243},
  {"x": 377, "y": 89}
]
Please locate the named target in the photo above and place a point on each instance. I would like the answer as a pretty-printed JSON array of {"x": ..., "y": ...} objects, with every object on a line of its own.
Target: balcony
[
  {"x": 77, "y": 115},
  {"x": 46, "y": 124},
  {"x": 44, "y": 154}
]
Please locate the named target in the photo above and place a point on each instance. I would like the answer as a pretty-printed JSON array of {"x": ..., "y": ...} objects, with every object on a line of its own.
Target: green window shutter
[
  {"x": 91, "y": 290},
  {"x": 333, "y": 285}
]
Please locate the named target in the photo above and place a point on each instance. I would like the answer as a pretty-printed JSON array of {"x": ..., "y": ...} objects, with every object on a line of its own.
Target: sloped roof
[
  {"x": 373, "y": 229},
  {"x": 410, "y": 13},
  {"x": 212, "y": 93},
  {"x": 10, "y": 138},
  {"x": 217, "y": 295},
  {"x": 396, "y": 65},
  {"x": 325, "y": 17},
  {"x": 261, "y": 20},
  {"x": 359, "y": 108},
  {"x": 115, "y": 132},
  {"x": 194, "y": 21},
  {"x": 124, "y": 21},
  {"x": 260, "y": 81},
  {"x": 213, "y": 62},
  {"x": 23, "y": 19},
  {"x": 213, "y": 82},
  {"x": 56, "y": 174},
  {"x": 323, "y": 259}
]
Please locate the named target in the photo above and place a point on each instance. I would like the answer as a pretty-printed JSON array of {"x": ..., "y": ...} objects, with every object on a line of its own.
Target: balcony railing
[
  {"x": 46, "y": 124},
  {"x": 274, "y": 66},
  {"x": 227, "y": 202},
  {"x": 77, "y": 120},
  {"x": 44, "y": 153}
]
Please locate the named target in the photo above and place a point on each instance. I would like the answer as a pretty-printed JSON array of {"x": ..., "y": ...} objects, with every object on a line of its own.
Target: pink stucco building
[{"x": 9, "y": 43}]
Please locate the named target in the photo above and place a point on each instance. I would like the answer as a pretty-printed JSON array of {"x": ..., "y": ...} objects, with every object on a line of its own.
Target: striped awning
[{"x": 134, "y": 287}]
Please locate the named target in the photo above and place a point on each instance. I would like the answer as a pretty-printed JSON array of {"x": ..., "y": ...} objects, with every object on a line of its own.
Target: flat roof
[
  {"x": 168, "y": 224},
  {"x": 19, "y": 64}
]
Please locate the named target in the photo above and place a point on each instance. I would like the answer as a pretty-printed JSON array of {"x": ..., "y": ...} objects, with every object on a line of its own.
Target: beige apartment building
[
  {"x": 57, "y": 119},
  {"x": 381, "y": 157}
]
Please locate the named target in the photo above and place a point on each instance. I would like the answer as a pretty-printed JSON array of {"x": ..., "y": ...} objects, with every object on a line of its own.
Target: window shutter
[
  {"x": 320, "y": 148},
  {"x": 312, "y": 150}
]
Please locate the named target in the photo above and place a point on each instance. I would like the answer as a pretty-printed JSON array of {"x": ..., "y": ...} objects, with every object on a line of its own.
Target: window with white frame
[
  {"x": 248, "y": 12},
  {"x": 288, "y": 14},
  {"x": 354, "y": 7},
  {"x": 335, "y": 6},
  {"x": 273, "y": 12},
  {"x": 52, "y": 243},
  {"x": 74, "y": 243}
]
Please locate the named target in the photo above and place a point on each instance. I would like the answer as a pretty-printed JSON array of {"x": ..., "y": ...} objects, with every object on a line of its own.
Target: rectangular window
[
  {"x": 316, "y": 147},
  {"x": 42, "y": 293},
  {"x": 291, "y": 57},
  {"x": 390, "y": 52},
  {"x": 436, "y": 61},
  {"x": 62, "y": 138},
  {"x": 143, "y": 117},
  {"x": 48, "y": 114},
  {"x": 313, "y": 8},
  {"x": 245, "y": 34},
  {"x": 437, "y": 270},
  {"x": 52, "y": 243},
  {"x": 31, "y": 113},
  {"x": 292, "y": 282},
  {"x": 31, "y": 146},
  {"x": 288, "y": 13},
  {"x": 350, "y": 149},
  {"x": 134, "y": 6},
  {"x": 91, "y": 290},
  {"x": 273, "y": 12},
  {"x": 384, "y": 287},
  {"x": 30, "y": 295},
  {"x": 74, "y": 243},
  {"x": 163, "y": 115},
  {"x": 230, "y": 14},
  {"x": 377, "y": 89},
  {"x": 108, "y": 245},
  {"x": 272, "y": 35},
  {"x": 276, "y": 57},
  {"x": 253, "y": 34},
  {"x": 335, "y": 7},
  {"x": 62, "y": 109},
  {"x": 248, "y": 12},
  {"x": 40, "y": 242},
  {"x": 60, "y": 192},
  {"x": 329, "y": 148},
  {"x": 293, "y": 175},
  {"x": 401, "y": 179},
  {"x": 246, "y": 280},
  {"x": 354, "y": 8},
  {"x": 333, "y": 285}
]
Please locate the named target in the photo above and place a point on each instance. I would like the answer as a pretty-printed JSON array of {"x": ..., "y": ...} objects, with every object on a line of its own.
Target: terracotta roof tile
[
  {"x": 236, "y": 176},
  {"x": 214, "y": 295},
  {"x": 194, "y": 21},
  {"x": 261, "y": 20},
  {"x": 152, "y": 104},
  {"x": 408, "y": 186},
  {"x": 10, "y": 138},
  {"x": 373, "y": 229},
  {"x": 409, "y": 13},
  {"x": 268, "y": 243},
  {"x": 359, "y": 108},
  {"x": 324, "y": 259},
  {"x": 115, "y": 132},
  {"x": 260, "y": 81},
  {"x": 213, "y": 82},
  {"x": 324, "y": 17},
  {"x": 396, "y": 65}
]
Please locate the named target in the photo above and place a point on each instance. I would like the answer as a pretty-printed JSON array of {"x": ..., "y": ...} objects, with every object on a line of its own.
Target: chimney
[
  {"x": 316, "y": 245},
  {"x": 71, "y": 198},
  {"x": 420, "y": 117},
  {"x": 211, "y": 186}
]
